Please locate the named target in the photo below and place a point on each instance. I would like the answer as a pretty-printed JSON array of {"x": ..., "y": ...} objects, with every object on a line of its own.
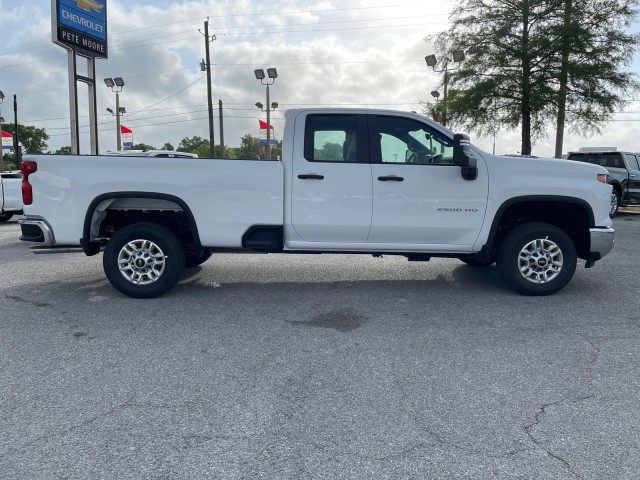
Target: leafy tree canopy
[
  {"x": 252, "y": 148},
  {"x": 142, "y": 146},
  {"x": 32, "y": 139},
  {"x": 528, "y": 59},
  {"x": 63, "y": 150}
]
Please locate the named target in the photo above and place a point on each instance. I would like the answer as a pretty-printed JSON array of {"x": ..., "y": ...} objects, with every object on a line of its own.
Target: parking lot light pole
[
  {"x": 272, "y": 73},
  {"x": 116, "y": 84},
  {"x": 457, "y": 56}
]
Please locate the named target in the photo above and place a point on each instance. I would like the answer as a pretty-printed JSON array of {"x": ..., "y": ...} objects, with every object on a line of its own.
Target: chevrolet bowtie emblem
[{"x": 89, "y": 5}]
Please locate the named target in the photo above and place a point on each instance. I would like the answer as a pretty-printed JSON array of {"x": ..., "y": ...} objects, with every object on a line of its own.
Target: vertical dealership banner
[
  {"x": 263, "y": 133},
  {"x": 81, "y": 25},
  {"x": 7, "y": 141},
  {"x": 127, "y": 136}
]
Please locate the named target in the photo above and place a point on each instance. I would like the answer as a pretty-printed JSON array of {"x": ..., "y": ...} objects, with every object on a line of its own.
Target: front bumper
[
  {"x": 36, "y": 229},
  {"x": 601, "y": 243}
]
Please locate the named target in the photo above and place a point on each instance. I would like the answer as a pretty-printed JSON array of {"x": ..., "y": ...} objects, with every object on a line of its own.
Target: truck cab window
[
  {"x": 403, "y": 140},
  {"x": 334, "y": 138}
]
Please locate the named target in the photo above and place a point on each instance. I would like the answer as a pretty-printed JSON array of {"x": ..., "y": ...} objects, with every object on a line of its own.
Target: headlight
[{"x": 603, "y": 177}]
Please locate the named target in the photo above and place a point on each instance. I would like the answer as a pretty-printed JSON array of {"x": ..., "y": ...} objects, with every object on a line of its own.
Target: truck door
[
  {"x": 633, "y": 166},
  {"x": 331, "y": 198},
  {"x": 419, "y": 195}
]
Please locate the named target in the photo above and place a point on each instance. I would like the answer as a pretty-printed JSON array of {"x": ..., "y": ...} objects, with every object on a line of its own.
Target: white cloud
[{"x": 327, "y": 53}]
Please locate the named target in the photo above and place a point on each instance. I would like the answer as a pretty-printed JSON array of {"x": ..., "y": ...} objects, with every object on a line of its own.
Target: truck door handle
[
  {"x": 310, "y": 176},
  {"x": 391, "y": 178}
]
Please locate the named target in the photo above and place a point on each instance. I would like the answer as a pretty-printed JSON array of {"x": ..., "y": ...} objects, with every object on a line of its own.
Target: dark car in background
[{"x": 624, "y": 175}]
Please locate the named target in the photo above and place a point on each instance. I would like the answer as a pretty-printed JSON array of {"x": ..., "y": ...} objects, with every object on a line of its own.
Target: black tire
[
  {"x": 5, "y": 217},
  {"x": 537, "y": 259},
  {"x": 475, "y": 261},
  {"x": 193, "y": 260},
  {"x": 143, "y": 260},
  {"x": 615, "y": 203}
]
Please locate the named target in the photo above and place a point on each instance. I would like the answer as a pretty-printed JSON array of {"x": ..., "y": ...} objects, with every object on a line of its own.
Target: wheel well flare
[{"x": 572, "y": 217}]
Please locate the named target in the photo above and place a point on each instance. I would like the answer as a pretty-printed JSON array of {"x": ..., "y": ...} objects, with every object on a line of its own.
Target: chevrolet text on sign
[{"x": 82, "y": 26}]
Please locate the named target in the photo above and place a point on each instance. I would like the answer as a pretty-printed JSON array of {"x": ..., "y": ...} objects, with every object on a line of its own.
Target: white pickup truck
[
  {"x": 10, "y": 195},
  {"x": 349, "y": 181}
]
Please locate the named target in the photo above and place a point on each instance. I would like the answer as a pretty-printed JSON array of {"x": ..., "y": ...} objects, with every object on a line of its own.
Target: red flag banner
[
  {"x": 7, "y": 141},
  {"x": 127, "y": 136},
  {"x": 263, "y": 133}
]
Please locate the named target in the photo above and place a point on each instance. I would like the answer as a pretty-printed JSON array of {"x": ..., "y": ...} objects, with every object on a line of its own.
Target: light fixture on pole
[
  {"x": 116, "y": 84},
  {"x": 457, "y": 56},
  {"x": 272, "y": 73},
  {"x": 436, "y": 112}
]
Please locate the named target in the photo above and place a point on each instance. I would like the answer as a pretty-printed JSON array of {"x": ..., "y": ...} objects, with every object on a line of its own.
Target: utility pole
[
  {"x": 207, "y": 65},
  {"x": 221, "y": 129}
]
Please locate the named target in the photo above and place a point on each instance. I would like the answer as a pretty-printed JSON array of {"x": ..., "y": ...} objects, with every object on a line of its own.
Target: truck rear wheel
[
  {"x": 537, "y": 259},
  {"x": 5, "y": 217},
  {"x": 143, "y": 260}
]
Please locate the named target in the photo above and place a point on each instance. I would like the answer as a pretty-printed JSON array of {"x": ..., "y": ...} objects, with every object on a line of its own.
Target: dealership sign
[{"x": 80, "y": 25}]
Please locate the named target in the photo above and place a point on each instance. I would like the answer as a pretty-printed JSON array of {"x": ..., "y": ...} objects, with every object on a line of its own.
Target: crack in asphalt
[
  {"x": 538, "y": 444},
  {"x": 594, "y": 357},
  {"x": 66, "y": 431}
]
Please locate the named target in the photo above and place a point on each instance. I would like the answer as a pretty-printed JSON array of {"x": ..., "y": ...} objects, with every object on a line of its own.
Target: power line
[{"x": 11, "y": 52}]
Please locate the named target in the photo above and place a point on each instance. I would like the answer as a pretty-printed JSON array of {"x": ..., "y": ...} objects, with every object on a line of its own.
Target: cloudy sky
[{"x": 361, "y": 53}]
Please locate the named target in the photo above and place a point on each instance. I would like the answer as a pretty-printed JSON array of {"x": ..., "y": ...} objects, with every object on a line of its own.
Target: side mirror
[{"x": 463, "y": 158}]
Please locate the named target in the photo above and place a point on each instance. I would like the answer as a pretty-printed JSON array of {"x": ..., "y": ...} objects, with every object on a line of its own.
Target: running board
[{"x": 56, "y": 249}]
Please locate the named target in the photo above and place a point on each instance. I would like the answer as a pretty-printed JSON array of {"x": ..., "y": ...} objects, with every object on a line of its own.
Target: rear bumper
[
  {"x": 36, "y": 229},
  {"x": 601, "y": 242}
]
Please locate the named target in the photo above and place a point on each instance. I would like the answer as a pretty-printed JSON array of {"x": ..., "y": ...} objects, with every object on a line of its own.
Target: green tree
[
  {"x": 167, "y": 146},
  {"x": 594, "y": 47},
  {"x": 66, "y": 150},
  {"x": 194, "y": 144},
  {"x": 516, "y": 53},
  {"x": 32, "y": 139},
  {"x": 142, "y": 146},
  {"x": 330, "y": 151},
  {"x": 252, "y": 148}
]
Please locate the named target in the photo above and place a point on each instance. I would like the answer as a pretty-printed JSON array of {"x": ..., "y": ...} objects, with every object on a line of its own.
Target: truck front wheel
[
  {"x": 537, "y": 259},
  {"x": 615, "y": 203},
  {"x": 143, "y": 260}
]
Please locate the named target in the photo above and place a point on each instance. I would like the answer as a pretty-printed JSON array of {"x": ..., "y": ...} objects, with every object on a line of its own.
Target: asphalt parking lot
[{"x": 318, "y": 367}]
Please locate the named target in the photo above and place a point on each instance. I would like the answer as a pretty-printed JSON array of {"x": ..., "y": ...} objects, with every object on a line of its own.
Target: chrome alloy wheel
[
  {"x": 141, "y": 262},
  {"x": 540, "y": 261}
]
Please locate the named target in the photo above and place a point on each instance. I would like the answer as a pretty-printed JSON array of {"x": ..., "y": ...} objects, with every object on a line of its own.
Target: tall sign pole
[{"x": 80, "y": 26}]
